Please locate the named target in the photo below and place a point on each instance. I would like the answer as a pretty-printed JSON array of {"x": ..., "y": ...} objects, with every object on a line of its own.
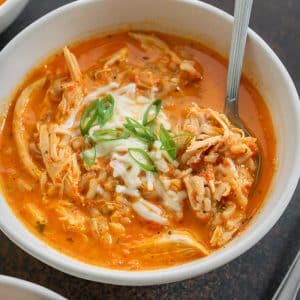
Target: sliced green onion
[
  {"x": 142, "y": 158},
  {"x": 99, "y": 111},
  {"x": 154, "y": 109},
  {"x": 182, "y": 139},
  {"x": 105, "y": 109},
  {"x": 167, "y": 142},
  {"x": 89, "y": 117},
  {"x": 141, "y": 132},
  {"x": 89, "y": 156},
  {"x": 110, "y": 135}
]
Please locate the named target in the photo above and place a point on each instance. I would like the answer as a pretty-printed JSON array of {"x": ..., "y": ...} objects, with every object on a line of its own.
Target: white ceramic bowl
[
  {"x": 9, "y": 11},
  {"x": 17, "y": 289},
  {"x": 182, "y": 17}
]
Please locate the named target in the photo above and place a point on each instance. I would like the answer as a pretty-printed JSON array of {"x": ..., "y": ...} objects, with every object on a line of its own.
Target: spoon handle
[
  {"x": 290, "y": 284},
  {"x": 242, "y": 11}
]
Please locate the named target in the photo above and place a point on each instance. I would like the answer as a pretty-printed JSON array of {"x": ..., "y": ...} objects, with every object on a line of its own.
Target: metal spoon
[
  {"x": 242, "y": 12},
  {"x": 290, "y": 285}
]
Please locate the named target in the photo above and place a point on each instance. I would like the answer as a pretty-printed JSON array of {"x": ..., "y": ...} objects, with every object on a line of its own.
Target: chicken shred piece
[
  {"x": 19, "y": 130},
  {"x": 147, "y": 40},
  {"x": 73, "y": 65},
  {"x": 117, "y": 56},
  {"x": 174, "y": 242},
  {"x": 196, "y": 193},
  {"x": 63, "y": 169},
  {"x": 73, "y": 92}
]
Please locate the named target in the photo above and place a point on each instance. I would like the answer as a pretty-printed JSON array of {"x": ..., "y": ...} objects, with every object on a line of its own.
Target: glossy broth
[{"x": 253, "y": 111}]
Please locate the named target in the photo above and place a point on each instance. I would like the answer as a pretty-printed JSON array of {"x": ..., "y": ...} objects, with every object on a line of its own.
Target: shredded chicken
[
  {"x": 196, "y": 194},
  {"x": 116, "y": 57},
  {"x": 19, "y": 131},
  {"x": 73, "y": 92},
  {"x": 176, "y": 242},
  {"x": 60, "y": 161},
  {"x": 218, "y": 155},
  {"x": 147, "y": 40},
  {"x": 73, "y": 65}
]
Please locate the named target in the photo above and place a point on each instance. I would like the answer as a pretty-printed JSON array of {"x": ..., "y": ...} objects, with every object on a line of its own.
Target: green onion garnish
[
  {"x": 89, "y": 117},
  {"x": 140, "y": 131},
  {"x": 182, "y": 139},
  {"x": 167, "y": 142},
  {"x": 105, "y": 109},
  {"x": 89, "y": 156},
  {"x": 154, "y": 109},
  {"x": 99, "y": 111},
  {"x": 110, "y": 135},
  {"x": 142, "y": 158}
]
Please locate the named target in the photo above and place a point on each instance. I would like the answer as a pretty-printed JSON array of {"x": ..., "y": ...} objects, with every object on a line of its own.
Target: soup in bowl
[
  {"x": 120, "y": 158},
  {"x": 117, "y": 158}
]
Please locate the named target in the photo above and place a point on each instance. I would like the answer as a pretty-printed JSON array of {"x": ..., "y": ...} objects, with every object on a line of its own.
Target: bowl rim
[
  {"x": 9, "y": 11},
  {"x": 187, "y": 270},
  {"x": 34, "y": 288},
  {"x": 9, "y": 5}
]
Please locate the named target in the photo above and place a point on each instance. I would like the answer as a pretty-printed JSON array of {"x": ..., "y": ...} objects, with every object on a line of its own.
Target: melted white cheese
[
  {"x": 128, "y": 104},
  {"x": 149, "y": 211},
  {"x": 171, "y": 200},
  {"x": 100, "y": 92}
]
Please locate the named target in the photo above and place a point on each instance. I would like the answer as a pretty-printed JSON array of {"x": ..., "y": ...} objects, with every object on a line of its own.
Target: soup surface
[{"x": 115, "y": 152}]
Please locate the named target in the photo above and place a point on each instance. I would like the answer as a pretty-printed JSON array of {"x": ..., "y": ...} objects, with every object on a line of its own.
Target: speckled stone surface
[{"x": 254, "y": 275}]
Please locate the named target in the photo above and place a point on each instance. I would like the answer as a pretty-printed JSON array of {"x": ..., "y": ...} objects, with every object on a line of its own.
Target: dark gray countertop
[{"x": 254, "y": 275}]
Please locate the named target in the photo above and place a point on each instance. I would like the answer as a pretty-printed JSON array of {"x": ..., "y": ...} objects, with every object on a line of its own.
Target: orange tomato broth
[
  {"x": 2, "y": 1},
  {"x": 253, "y": 111}
]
